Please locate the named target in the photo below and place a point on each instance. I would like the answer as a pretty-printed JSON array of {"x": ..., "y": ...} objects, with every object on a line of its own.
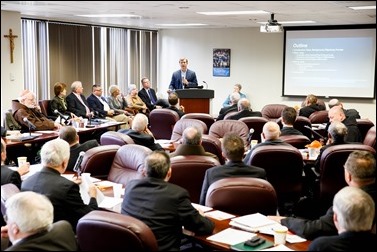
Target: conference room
[{"x": 152, "y": 48}]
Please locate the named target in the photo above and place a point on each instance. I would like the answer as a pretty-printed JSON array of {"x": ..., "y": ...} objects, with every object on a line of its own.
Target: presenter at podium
[{"x": 183, "y": 78}]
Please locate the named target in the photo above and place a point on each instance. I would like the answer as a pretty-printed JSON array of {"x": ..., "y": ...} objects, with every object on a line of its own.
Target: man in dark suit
[
  {"x": 183, "y": 78},
  {"x": 149, "y": 97},
  {"x": 69, "y": 134},
  {"x": 337, "y": 114},
  {"x": 64, "y": 194},
  {"x": 40, "y": 234},
  {"x": 360, "y": 172},
  {"x": 234, "y": 98},
  {"x": 233, "y": 150},
  {"x": 288, "y": 118},
  {"x": 163, "y": 206},
  {"x": 244, "y": 110},
  {"x": 354, "y": 210},
  {"x": 76, "y": 101}
]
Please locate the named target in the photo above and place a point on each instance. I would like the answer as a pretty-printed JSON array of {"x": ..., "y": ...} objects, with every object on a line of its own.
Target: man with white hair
[
  {"x": 234, "y": 98},
  {"x": 76, "y": 101},
  {"x": 354, "y": 211},
  {"x": 337, "y": 114},
  {"x": 29, "y": 226},
  {"x": 64, "y": 194}
]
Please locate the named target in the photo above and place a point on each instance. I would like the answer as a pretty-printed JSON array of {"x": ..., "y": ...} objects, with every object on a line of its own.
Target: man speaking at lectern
[{"x": 183, "y": 78}]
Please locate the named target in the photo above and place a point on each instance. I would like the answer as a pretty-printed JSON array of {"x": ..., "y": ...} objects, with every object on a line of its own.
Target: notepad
[{"x": 251, "y": 222}]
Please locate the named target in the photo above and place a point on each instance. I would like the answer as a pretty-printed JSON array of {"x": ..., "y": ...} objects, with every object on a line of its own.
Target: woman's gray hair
[
  {"x": 131, "y": 87},
  {"x": 113, "y": 88}
]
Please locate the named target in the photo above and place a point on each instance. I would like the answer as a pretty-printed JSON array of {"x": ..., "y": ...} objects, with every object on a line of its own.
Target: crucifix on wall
[{"x": 11, "y": 38}]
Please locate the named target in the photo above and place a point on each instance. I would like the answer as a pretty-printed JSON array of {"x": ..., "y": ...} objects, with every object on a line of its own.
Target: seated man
[
  {"x": 173, "y": 101},
  {"x": 233, "y": 150},
  {"x": 141, "y": 134},
  {"x": 354, "y": 210},
  {"x": 27, "y": 112},
  {"x": 30, "y": 228},
  {"x": 63, "y": 193},
  {"x": 337, "y": 114},
  {"x": 288, "y": 118},
  {"x": 148, "y": 95},
  {"x": 163, "y": 206},
  {"x": 360, "y": 172},
  {"x": 234, "y": 98},
  {"x": 236, "y": 89},
  {"x": 69, "y": 134},
  {"x": 191, "y": 144},
  {"x": 348, "y": 112},
  {"x": 244, "y": 110}
]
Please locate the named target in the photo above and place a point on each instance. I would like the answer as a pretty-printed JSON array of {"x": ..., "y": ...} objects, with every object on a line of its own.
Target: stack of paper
[{"x": 251, "y": 222}]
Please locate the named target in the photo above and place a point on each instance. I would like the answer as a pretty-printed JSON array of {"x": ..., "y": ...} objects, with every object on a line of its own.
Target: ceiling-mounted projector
[{"x": 271, "y": 26}]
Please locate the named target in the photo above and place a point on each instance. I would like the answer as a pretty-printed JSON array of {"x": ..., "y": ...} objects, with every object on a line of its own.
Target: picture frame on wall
[{"x": 221, "y": 62}]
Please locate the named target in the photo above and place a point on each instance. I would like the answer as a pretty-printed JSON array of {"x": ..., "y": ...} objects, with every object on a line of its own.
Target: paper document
[
  {"x": 231, "y": 236},
  {"x": 201, "y": 207},
  {"x": 110, "y": 202},
  {"x": 84, "y": 190},
  {"x": 278, "y": 248},
  {"x": 219, "y": 215},
  {"x": 252, "y": 222}
]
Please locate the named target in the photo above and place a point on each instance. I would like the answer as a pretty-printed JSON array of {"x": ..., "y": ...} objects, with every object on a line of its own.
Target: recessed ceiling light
[
  {"x": 372, "y": 7},
  {"x": 109, "y": 15},
  {"x": 177, "y": 25},
  {"x": 223, "y": 13}
]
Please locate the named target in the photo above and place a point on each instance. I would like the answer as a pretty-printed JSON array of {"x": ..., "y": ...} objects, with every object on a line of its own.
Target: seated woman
[
  {"x": 58, "y": 102},
  {"x": 134, "y": 101},
  {"x": 117, "y": 101}
]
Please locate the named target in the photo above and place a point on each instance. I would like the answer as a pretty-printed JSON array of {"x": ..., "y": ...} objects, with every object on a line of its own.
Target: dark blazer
[
  {"x": 346, "y": 241},
  {"x": 57, "y": 103},
  {"x": 324, "y": 226},
  {"x": 165, "y": 208},
  {"x": 63, "y": 194},
  {"x": 225, "y": 111},
  {"x": 145, "y": 97},
  {"x": 76, "y": 149},
  {"x": 229, "y": 170},
  {"x": 286, "y": 131},
  {"x": 75, "y": 106},
  {"x": 59, "y": 237},
  {"x": 267, "y": 142},
  {"x": 179, "y": 112},
  {"x": 245, "y": 113},
  {"x": 308, "y": 110},
  {"x": 142, "y": 139},
  {"x": 10, "y": 176},
  {"x": 96, "y": 105},
  {"x": 176, "y": 80},
  {"x": 185, "y": 150}
]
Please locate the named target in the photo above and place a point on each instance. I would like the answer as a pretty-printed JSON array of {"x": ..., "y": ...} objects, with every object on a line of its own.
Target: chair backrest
[
  {"x": 364, "y": 125},
  {"x": 231, "y": 113},
  {"x": 298, "y": 141},
  {"x": 7, "y": 191},
  {"x": 206, "y": 118},
  {"x": 320, "y": 116},
  {"x": 45, "y": 107},
  {"x": 220, "y": 128},
  {"x": 370, "y": 137},
  {"x": 331, "y": 178},
  {"x": 97, "y": 160},
  {"x": 128, "y": 163},
  {"x": 242, "y": 196},
  {"x": 103, "y": 231},
  {"x": 272, "y": 112},
  {"x": 213, "y": 145},
  {"x": 257, "y": 124},
  {"x": 182, "y": 124},
  {"x": 161, "y": 122},
  {"x": 113, "y": 137},
  {"x": 188, "y": 172},
  {"x": 283, "y": 166}
]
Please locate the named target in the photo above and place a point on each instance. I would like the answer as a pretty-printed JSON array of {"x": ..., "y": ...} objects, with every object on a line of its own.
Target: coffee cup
[
  {"x": 21, "y": 161},
  {"x": 117, "y": 190},
  {"x": 280, "y": 235}
]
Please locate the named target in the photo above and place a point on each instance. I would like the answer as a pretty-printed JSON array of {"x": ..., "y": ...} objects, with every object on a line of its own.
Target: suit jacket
[
  {"x": 63, "y": 194},
  {"x": 176, "y": 80},
  {"x": 346, "y": 241},
  {"x": 308, "y": 110},
  {"x": 229, "y": 170},
  {"x": 165, "y": 208},
  {"x": 324, "y": 226},
  {"x": 57, "y": 103},
  {"x": 75, "y": 106},
  {"x": 76, "y": 149},
  {"x": 142, "y": 139},
  {"x": 245, "y": 113},
  {"x": 59, "y": 237},
  {"x": 40, "y": 121},
  {"x": 286, "y": 131},
  {"x": 185, "y": 150},
  {"x": 225, "y": 111},
  {"x": 96, "y": 105},
  {"x": 179, "y": 112},
  {"x": 10, "y": 176},
  {"x": 145, "y": 97}
]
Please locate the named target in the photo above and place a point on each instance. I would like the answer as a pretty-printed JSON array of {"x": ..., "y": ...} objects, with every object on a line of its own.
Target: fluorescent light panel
[
  {"x": 109, "y": 15},
  {"x": 292, "y": 22},
  {"x": 177, "y": 25},
  {"x": 372, "y": 7},
  {"x": 224, "y": 13}
]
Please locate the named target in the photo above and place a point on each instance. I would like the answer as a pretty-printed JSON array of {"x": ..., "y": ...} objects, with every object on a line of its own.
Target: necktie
[{"x": 151, "y": 97}]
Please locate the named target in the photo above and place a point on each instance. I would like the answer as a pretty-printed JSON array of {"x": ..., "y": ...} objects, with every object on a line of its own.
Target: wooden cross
[{"x": 11, "y": 40}]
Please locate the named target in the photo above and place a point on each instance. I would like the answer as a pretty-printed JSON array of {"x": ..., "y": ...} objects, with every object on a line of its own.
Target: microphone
[
  {"x": 316, "y": 133},
  {"x": 30, "y": 124},
  {"x": 77, "y": 167},
  {"x": 251, "y": 132},
  {"x": 206, "y": 84},
  {"x": 61, "y": 115}
]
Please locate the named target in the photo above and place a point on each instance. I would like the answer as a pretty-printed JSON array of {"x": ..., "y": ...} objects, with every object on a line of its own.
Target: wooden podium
[{"x": 195, "y": 100}]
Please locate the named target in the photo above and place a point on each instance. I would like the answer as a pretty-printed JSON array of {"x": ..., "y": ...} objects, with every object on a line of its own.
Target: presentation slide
[{"x": 330, "y": 63}]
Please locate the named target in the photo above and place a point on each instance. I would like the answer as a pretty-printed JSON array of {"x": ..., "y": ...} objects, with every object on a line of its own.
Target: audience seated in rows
[
  {"x": 360, "y": 172},
  {"x": 169, "y": 207},
  {"x": 140, "y": 133},
  {"x": 311, "y": 105},
  {"x": 244, "y": 110},
  {"x": 26, "y": 107},
  {"x": 337, "y": 114},
  {"x": 233, "y": 150},
  {"x": 191, "y": 144},
  {"x": 30, "y": 225},
  {"x": 234, "y": 98},
  {"x": 76, "y": 101},
  {"x": 173, "y": 104},
  {"x": 69, "y": 134},
  {"x": 63, "y": 193},
  {"x": 353, "y": 210},
  {"x": 288, "y": 118}
]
